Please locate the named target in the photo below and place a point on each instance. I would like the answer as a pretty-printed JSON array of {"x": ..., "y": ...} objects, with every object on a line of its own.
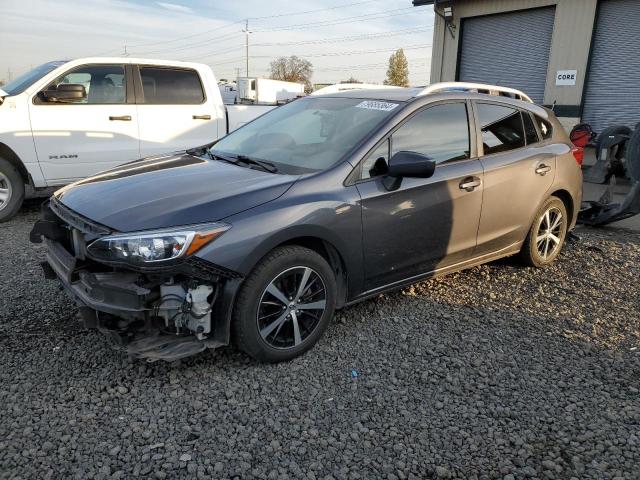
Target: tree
[
  {"x": 351, "y": 80},
  {"x": 398, "y": 71},
  {"x": 293, "y": 69}
]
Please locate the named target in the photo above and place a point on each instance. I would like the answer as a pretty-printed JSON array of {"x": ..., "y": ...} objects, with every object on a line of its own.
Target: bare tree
[
  {"x": 293, "y": 69},
  {"x": 398, "y": 71}
]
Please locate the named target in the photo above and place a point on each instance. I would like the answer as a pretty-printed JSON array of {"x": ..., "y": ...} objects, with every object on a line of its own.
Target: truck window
[
  {"x": 104, "y": 83},
  {"x": 169, "y": 86}
]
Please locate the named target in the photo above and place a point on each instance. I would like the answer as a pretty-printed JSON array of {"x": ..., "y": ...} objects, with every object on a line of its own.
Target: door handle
[
  {"x": 469, "y": 184},
  {"x": 202, "y": 117},
  {"x": 123, "y": 118},
  {"x": 543, "y": 169}
]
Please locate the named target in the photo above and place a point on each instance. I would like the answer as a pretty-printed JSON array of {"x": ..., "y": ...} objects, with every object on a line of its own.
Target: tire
[
  {"x": 11, "y": 190},
  {"x": 615, "y": 130},
  {"x": 532, "y": 252},
  {"x": 633, "y": 155},
  {"x": 260, "y": 325}
]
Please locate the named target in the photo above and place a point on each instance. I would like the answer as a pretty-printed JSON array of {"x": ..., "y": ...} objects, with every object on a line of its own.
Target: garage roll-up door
[
  {"x": 612, "y": 91},
  {"x": 508, "y": 49}
]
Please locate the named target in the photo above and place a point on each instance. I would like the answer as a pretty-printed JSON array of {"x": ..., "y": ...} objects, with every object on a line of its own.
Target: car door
[
  {"x": 78, "y": 139},
  {"x": 519, "y": 170},
  {"x": 426, "y": 223},
  {"x": 173, "y": 110}
]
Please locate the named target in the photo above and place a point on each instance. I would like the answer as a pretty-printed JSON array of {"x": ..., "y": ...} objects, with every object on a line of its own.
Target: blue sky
[{"x": 340, "y": 37}]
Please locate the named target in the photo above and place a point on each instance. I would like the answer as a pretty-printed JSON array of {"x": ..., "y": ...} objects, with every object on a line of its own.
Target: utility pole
[
  {"x": 246, "y": 43},
  {"x": 9, "y": 75},
  {"x": 125, "y": 54}
]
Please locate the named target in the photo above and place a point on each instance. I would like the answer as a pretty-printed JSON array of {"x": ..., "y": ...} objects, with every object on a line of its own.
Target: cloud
[
  {"x": 212, "y": 34},
  {"x": 174, "y": 7}
]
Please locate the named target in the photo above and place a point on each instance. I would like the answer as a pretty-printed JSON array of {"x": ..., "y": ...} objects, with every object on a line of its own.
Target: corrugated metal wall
[
  {"x": 510, "y": 49},
  {"x": 612, "y": 93}
]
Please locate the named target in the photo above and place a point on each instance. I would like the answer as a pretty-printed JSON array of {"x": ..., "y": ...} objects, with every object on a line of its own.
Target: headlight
[{"x": 157, "y": 245}]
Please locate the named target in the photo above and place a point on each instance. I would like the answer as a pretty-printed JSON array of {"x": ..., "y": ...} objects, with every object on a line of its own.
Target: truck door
[
  {"x": 174, "y": 111},
  {"x": 76, "y": 140}
]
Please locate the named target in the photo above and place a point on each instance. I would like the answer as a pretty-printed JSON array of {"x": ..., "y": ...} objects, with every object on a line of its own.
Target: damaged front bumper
[{"x": 158, "y": 313}]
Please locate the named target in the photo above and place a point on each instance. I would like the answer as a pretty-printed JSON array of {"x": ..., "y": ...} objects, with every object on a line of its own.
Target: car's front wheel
[
  {"x": 547, "y": 234},
  {"x": 284, "y": 305}
]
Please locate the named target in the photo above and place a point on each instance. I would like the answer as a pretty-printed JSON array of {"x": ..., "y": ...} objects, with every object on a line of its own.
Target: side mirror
[
  {"x": 407, "y": 164},
  {"x": 65, "y": 93}
]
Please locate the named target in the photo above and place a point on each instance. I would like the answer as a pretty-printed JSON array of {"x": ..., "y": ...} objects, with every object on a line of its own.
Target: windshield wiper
[{"x": 266, "y": 166}]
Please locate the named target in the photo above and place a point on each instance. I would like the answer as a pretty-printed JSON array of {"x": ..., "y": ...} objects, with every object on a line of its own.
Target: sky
[{"x": 341, "y": 38}]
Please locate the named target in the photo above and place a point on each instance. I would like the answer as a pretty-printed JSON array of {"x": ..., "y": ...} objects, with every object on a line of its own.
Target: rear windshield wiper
[{"x": 266, "y": 166}]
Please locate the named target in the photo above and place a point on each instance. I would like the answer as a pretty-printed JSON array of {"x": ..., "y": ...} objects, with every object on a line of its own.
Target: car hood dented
[{"x": 166, "y": 191}]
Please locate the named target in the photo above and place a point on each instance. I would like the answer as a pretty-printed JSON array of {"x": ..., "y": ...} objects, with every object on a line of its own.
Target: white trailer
[{"x": 267, "y": 91}]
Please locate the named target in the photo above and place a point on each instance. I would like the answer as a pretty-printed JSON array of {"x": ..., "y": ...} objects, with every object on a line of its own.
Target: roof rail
[{"x": 476, "y": 87}]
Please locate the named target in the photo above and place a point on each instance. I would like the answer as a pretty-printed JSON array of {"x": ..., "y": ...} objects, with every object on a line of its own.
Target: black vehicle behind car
[{"x": 313, "y": 206}]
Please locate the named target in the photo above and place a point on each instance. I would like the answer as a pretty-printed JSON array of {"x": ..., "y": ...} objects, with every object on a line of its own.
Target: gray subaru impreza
[{"x": 258, "y": 238}]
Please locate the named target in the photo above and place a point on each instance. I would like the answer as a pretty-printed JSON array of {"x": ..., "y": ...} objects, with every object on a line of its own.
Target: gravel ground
[{"x": 495, "y": 372}]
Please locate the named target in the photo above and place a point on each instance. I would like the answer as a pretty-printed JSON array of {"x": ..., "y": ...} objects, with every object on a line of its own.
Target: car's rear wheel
[
  {"x": 546, "y": 235},
  {"x": 284, "y": 305},
  {"x": 11, "y": 190}
]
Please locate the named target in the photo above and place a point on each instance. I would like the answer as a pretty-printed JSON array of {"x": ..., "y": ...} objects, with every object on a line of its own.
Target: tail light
[{"x": 578, "y": 154}]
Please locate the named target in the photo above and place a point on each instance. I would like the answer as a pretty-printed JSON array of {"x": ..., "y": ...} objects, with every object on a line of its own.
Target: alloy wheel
[
  {"x": 291, "y": 307},
  {"x": 5, "y": 191},
  {"x": 548, "y": 237}
]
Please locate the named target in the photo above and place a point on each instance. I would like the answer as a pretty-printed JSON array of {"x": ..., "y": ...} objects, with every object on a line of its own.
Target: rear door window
[
  {"x": 169, "y": 86},
  {"x": 501, "y": 128}
]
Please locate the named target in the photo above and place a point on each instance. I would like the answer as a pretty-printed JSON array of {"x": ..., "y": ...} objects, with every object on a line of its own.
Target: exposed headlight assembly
[{"x": 157, "y": 245}]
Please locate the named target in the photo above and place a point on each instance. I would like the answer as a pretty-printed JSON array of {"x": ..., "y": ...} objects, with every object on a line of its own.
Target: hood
[{"x": 167, "y": 191}]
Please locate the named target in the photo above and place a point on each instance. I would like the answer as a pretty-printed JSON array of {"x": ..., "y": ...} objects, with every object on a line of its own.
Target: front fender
[{"x": 333, "y": 217}]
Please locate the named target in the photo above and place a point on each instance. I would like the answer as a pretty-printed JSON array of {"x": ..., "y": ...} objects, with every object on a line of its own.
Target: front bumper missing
[{"x": 117, "y": 301}]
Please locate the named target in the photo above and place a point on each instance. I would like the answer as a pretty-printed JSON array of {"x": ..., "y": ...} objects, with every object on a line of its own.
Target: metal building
[{"x": 582, "y": 55}]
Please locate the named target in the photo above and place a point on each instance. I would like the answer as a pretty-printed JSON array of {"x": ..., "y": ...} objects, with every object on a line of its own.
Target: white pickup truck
[{"x": 66, "y": 120}]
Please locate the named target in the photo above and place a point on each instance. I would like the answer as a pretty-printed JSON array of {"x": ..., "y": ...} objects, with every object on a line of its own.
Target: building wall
[{"x": 570, "y": 45}]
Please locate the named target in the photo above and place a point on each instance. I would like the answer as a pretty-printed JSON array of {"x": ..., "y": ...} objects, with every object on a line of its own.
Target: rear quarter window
[{"x": 546, "y": 129}]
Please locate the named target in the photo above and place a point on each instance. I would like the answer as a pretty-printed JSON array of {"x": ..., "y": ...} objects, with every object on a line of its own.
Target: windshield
[
  {"x": 306, "y": 135},
  {"x": 21, "y": 83}
]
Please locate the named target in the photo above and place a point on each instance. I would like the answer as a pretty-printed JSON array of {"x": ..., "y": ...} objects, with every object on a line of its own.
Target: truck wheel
[
  {"x": 546, "y": 235},
  {"x": 284, "y": 305},
  {"x": 11, "y": 190}
]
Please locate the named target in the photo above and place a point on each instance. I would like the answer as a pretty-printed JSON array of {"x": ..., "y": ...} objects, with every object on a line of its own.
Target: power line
[
  {"x": 366, "y": 36},
  {"x": 193, "y": 45},
  {"x": 335, "y": 54},
  {"x": 314, "y": 11},
  {"x": 327, "y": 23}
]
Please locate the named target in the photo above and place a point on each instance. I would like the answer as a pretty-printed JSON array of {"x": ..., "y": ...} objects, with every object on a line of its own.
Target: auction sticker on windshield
[{"x": 377, "y": 105}]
